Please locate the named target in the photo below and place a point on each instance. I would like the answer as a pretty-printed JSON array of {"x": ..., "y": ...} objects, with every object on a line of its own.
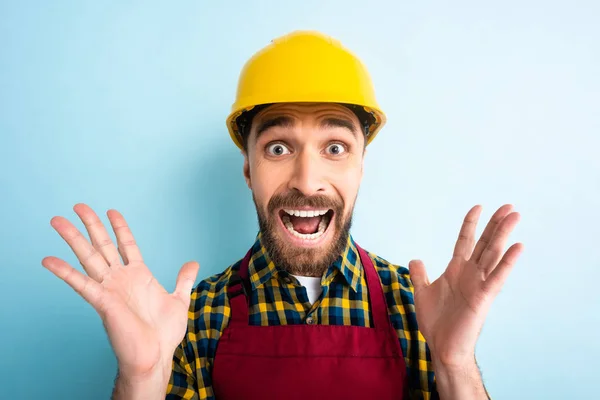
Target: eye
[
  {"x": 335, "y": 149},
  {"x": 277, "y": 149}
]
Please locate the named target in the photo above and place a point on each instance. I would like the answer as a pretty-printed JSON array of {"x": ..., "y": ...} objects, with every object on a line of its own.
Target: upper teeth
[{"x": 306, "y": 213}]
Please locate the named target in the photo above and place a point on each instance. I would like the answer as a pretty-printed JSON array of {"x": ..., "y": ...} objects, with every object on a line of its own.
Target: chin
[{"x": 304, "y": 239}]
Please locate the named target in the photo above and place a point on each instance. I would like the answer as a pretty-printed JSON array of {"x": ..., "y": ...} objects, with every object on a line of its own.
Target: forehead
[
  {"x": 283, "y": 118},
  {"x": 305, "y": 111}
]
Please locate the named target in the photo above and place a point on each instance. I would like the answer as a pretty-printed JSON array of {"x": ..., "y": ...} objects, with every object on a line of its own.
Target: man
[{"x": 307, "y": 313}]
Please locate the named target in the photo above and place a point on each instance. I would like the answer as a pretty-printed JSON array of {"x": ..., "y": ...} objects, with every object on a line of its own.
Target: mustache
[{"x": 297, "y": 199}]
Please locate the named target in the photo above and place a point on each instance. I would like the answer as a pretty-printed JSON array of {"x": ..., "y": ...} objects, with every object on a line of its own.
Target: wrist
[
  {"x": 149, "y": 385},
  {"x": 459, "y": 381},
  {"x": 456, "y": 370}
]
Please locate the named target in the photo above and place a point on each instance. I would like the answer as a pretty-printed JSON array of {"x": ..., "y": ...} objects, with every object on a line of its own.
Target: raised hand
[
  {"x": 144, "y": 322},
  {"x": 451, "y": 310}
]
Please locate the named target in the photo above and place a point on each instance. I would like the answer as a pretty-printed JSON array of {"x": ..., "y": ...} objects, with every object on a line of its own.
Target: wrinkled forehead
[
  {"x": 318, "y": 115},
  {"x": 306, "y": 110}
]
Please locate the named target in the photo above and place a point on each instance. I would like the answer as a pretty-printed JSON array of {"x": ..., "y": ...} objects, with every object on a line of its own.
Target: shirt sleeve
[
  {"x": 183, "y": 383},
  {"x": 420, "y": 376},
  {"x": 191, "y": 371},
  {"x": 191, "y": 374}
]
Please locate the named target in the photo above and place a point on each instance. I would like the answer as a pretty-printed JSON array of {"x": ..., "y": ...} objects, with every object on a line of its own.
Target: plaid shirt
[{"x": 278, "y": 299}]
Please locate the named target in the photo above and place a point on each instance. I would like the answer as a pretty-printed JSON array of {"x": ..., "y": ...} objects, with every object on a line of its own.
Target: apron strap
[
  {"x": 379, "y": 308},
  {"x": 239, "y": 290}
]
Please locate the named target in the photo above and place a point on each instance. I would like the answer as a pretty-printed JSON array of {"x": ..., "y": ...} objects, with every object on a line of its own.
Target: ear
[
  {"x": 362, "y": 163},
  {"x": 246, "y": 170}
]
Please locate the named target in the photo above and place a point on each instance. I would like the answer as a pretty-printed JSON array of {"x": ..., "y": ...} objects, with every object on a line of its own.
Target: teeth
[
  {"x": 322, "y": 225},
  {"x": 287, "y": 222},
  {"x": 306, "y": 213},
  {"x": 309, "y": 236}
]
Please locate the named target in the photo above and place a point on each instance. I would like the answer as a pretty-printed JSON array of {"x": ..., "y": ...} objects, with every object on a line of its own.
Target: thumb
[
  {"x": 418, "y": 274},
  {"x": 185, "y": 281}
]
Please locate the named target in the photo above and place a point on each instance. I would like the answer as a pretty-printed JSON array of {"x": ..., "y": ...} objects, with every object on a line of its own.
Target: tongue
[{"x": 305, "y": 225}]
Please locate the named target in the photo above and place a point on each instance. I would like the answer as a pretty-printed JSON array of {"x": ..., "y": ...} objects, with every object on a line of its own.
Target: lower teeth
[{"x": 310, "y": 236}]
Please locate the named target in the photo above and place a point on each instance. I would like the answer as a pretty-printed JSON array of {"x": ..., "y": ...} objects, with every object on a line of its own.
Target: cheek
[
  {"x": 346, "y": 183},
  {"x": 266, "y": 181}
]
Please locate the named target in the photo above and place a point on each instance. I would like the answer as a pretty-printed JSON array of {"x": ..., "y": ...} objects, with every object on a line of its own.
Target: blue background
[{"x": 121, "y": 104}]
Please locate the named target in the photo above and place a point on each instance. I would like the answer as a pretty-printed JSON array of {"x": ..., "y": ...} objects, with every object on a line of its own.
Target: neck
[{"x": 307, "y": 270}]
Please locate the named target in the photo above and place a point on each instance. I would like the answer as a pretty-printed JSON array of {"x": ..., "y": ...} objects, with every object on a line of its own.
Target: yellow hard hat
[{"x": 305, "y": 66}]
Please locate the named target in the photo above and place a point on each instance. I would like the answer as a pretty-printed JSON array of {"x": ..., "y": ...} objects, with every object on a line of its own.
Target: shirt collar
[{"x": 261, "y": 268}]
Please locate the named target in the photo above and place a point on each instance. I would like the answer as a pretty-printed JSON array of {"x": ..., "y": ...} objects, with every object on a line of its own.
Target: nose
[{"x": 307, "y": 176}]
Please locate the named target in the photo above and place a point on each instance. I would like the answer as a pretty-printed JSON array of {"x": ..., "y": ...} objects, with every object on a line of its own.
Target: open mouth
[{"x": 306, "y": 224}]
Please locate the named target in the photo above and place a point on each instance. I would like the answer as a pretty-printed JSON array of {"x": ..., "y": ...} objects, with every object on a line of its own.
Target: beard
[{"x": 297, "y": 260}]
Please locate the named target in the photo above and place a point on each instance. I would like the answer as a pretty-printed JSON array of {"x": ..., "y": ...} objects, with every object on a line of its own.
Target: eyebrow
[
  {"x": 282, "y": 121},
  {"x": 336, "y": 122},
  {"x": 288, "y": 122}
]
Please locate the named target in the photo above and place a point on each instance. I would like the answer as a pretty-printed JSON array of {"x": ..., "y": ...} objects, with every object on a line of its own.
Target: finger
[
  {"x": 186, "y": 280},
  {"x": 466, "y": 237},
  {"x": 125, "y": 240},
  {"x": 492, "y": 253},
  {"x": 92, "y": 262},
  {"x": 98, "y": 234},
  {"x": 488, "y": 232},
  {"x": 496, "y": 279},
  {"x": 85, "y": 286},
  {"x": 418, "y": 274}
]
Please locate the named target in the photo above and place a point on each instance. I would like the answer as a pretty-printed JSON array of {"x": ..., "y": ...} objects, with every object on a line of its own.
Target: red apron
[{"x": 309, "y": 361}]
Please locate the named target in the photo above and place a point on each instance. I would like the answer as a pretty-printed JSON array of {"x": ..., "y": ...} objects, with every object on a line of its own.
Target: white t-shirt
[{"x": 312, "y": 285}]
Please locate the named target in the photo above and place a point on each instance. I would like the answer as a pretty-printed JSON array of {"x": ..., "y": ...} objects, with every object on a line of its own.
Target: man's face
[{"x": 304, "y": 165}]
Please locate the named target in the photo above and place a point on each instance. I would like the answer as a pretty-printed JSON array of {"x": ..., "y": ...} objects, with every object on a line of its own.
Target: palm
[
  {"x": 143, "y": 321},
  {"x": 133, "y": 301},
  {"x": 451, "y": 310}
]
